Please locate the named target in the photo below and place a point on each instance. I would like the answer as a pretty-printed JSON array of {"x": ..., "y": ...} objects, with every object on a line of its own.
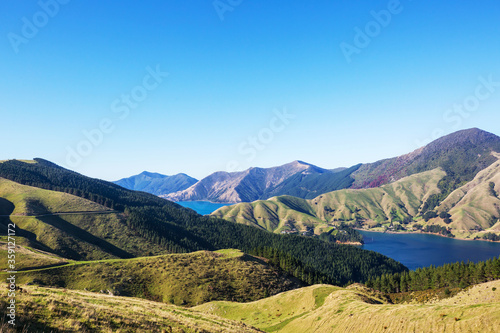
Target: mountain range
[
  {"x": 297, "y": 178},
  {"x": 461, "y": 154},
  {"x": 156, "y": 183},
  {"x": 450, "y": 187}
]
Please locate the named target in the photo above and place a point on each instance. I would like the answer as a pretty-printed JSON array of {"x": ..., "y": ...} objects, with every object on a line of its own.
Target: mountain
[
  {"x": 298, "y": 178},
  {"x": 402, "y": 198},
  {"x": 450, "y": 187},
  {"x": 81, "y": 218},
  {"x": 461, "y": 155},
  {"x": 156, "y": 183}
]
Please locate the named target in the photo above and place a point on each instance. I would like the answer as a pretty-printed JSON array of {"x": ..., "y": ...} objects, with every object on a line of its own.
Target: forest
[{"x": 179, "y": 230}]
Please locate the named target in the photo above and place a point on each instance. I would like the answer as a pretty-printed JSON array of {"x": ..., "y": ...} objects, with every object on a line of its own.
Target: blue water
[
  {"x": 202, "y": 207},
  {"x": 422, "y": 250}
]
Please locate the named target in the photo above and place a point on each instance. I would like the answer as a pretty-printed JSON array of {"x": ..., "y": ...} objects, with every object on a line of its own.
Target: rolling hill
[
  {"x": 182, "y": 279},
  {"x": 80, "y": 218},
  {"x": 298, "y": 178},
  {"x": 472, "y": 211},
  {"x": 156, "y": 183},
  {"x": 42, "y": 310},
  {"x": 323, "y": 308}
]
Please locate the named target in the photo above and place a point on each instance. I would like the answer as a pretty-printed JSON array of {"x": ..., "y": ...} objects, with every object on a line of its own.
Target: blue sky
[{"x": 271, "y": 82}]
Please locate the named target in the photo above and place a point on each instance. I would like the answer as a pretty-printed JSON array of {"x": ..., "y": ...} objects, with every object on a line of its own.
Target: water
[
  {"x": 422, "y": 250},
  {"x": 202, "y": 207}
]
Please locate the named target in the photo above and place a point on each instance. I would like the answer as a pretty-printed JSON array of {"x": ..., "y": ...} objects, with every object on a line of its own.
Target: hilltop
[
  {"x": 458, "y": 198},
  {"x": 182, "y": 279},
  {"x": 324, "y": 308},
  {"x": 62, "y": 310},
  {"x": 156, "y": 183},
  {"x": 298, "y": 178}
]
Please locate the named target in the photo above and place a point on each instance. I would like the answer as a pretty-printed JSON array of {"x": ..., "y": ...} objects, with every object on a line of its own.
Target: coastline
[{"x": 425, "y": 233}]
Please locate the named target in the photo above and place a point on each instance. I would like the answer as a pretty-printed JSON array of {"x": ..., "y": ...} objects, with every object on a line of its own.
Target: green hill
[
  {"x": 182, "y": 279},
  {"x": 471, "y": 211},
  {"x": 41, "y": 310},
  {"x": 81, "y": 218},
  {"x": 323, "y": 308},
  {"x": 398, "y": 200}
]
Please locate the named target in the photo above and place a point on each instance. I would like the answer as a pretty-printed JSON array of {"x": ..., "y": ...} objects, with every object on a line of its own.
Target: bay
[
  {"x": 423, "y": 250},
  {"x": 202, "y": 207}
]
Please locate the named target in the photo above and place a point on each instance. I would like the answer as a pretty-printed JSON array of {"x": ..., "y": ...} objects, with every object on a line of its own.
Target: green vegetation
[
  {"x": 60, "y": 310},
  {"x": 165, "y": 227},
  {"x": 470, "y": 212},
  {"x": 323, "y": 308},
  {"x": 181, "y": 279},
  {"x": 458, "y": 275}
]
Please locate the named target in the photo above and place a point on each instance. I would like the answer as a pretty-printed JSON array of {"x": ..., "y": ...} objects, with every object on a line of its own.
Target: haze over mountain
[
  {"x": 156, "y": 183},
  {"x": 298, "y": 178}
]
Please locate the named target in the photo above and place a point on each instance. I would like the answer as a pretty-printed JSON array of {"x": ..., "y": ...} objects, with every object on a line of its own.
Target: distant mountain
[
  {"x": 450, "y": 187},
  {"x": 156, "y": 183},
  {"x": 461, "y": 154},
  {"x": 298, "y": 178},
  {"x": 82, "y": 218}
]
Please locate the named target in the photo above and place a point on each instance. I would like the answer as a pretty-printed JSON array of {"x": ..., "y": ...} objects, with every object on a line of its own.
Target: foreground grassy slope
[
  {"x": 68, "y": 225},
  {"x": 182, "y": 279},
  {"x": 324, "y": 308},
  {"x": 376, "y": 205},
  {"x": 57, "y": 310},
  {"x": 26, "y": 256}
]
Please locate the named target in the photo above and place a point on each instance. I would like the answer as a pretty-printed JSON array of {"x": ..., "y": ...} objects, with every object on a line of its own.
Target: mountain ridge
[{"x": 156, "y": 183}]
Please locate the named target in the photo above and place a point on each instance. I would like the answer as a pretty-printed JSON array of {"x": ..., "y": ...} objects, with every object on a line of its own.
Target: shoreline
[{"x": 424, "y": 233}]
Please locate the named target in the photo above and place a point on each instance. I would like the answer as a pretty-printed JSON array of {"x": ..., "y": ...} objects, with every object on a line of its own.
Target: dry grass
[{"x": 57, "y": 310}]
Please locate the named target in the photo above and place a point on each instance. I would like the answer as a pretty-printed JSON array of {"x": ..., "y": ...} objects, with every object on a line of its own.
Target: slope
[
  {"x": 61, "y": 310},
  {"x": 399, "y": 200},
  {"x": 297, "y": 178},
  {"x": 323, "y": 308},
  {"x": 156, "y": 183},
  {"x": 182, "y": 279},
  {"x": 166, "y": 227}
]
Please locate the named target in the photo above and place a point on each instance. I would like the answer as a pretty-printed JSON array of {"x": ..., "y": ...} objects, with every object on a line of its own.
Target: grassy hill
[
  {"x": 323, "y": 308},
  {"x": 471, "y": 211},
  {"x": 61, "y": 310},
  {"x": 82, "y": 218},
  {"x": 92, "y": 231},
  {"x": 182, "y": 279},
  {"x": 400, "y": 199}
]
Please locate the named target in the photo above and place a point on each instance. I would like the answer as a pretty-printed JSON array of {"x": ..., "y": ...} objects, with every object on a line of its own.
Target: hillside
[
  {"x": 41, "y": 310},
  {"x": 471, "y": 211},
  {"x": 182, "y": 279},
  {"x": 156, "y": 183},
  {"x": 461, "y": 155},
  {"x": 323, "y": 308},
  {"x": 140, "y": 218},
  {"x": 400, "y": 199},
  {"x": 297, "y": 178}
]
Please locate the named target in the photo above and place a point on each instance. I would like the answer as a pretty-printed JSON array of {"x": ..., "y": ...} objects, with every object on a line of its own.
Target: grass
[
  {"x": 81, "y": 236},
  {"x": 59, "y": 310},
  {"x": 471, "y": 206},
  {"x": 182, "y": 279},
  {"x": 358, "y": 309}
]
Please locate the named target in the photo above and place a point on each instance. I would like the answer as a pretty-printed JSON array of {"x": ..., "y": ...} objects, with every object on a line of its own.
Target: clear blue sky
[{"x": 227, "y": 78}]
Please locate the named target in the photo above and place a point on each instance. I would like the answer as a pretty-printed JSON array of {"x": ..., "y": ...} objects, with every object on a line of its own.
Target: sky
[{"x": 112, "y": 88}]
